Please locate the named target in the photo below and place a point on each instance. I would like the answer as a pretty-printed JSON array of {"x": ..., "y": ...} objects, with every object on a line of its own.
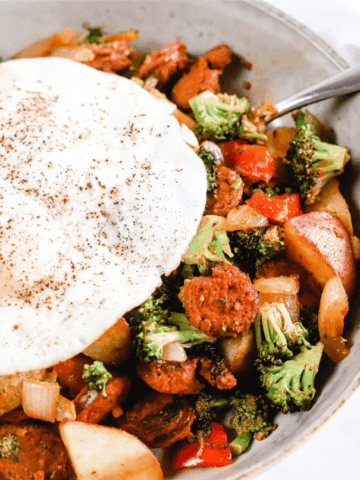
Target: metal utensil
[{"x": 340, "y": 84}]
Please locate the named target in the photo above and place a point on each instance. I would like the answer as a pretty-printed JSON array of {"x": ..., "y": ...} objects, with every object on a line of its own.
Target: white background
[{"x": 333, "y": 453}]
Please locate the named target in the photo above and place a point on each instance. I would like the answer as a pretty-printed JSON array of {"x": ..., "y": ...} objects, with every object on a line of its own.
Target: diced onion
[
  {"x": 40, "y": 399},
  {"x": 174, "y": 352},
  {"x": 65, "y": 409},
  {"x": 86, "y": 399},
  {"x": 283, "y": 285},
  {"x": 243, "y": 218}
]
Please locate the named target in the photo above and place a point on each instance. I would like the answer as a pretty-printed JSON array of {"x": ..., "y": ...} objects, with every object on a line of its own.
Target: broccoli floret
[
  {"x": 271, "y": 191},
  {"x": 153, "y": 328},
  {"x": 311, "y": 163},
  {"x": 9, "y": 445},
  {"x": 270, "y": 245},
  {"x": 309, "y": 318},
  {"x": 210, "y": 161},
  {"x": 290, "y": 386},
  {"x": 249, "y": 419},
  {"x": 254, "y": 247},
  {"x": 208, "y": 244},
  {"x": 220, "y": 117},
  {"x": 96, "y": 376},
  {"x": 170, "y": 288},
  {"x": 304, "y": 117},
  {"x": 94, "y": 34},
  {"x": 207, "y": 408},
  {"x": 276, "y": 334}
]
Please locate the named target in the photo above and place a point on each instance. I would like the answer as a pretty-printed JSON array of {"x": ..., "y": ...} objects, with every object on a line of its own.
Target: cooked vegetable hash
[{"x": 243, "y": 322}]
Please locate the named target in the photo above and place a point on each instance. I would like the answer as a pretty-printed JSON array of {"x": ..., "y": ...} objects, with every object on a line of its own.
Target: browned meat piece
[
  {"x": 171, "y": 377},
  {"x": 224, "y": 198},
  {"x": 15, "y": 416},
  {"x": 112, "y": 57},
  {"x": 223, "y": 304},
  {"x": 219, "y": 57},
  {"x": 41, "y": 453},
  {"x": 165, "y": 63},
  {"x": 92, "y": 407},
  {"x": 159, "y": 420},
  {"x": 217, "y": 374},
  {"x": 70, "y": 373},
  {"x": 199, "y": 78}
]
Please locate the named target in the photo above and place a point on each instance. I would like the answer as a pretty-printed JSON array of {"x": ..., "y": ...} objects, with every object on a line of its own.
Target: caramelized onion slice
[
  {"x": 280, "y": 285},
  {"x": 334, "y": 306},
  {"x": 40, "y": 399},
  {"x": 243, "y": 218}
]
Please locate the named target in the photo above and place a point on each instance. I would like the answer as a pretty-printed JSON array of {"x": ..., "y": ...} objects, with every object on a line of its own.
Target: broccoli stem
[{"x": 240, "y": 443}]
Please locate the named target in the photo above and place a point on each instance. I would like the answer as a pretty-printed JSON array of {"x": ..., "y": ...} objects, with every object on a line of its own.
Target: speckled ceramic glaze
[{"x": 286, "y": 58}]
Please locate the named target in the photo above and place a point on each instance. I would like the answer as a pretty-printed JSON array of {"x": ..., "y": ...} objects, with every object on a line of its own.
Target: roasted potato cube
[{"x": 320, "y": 243}]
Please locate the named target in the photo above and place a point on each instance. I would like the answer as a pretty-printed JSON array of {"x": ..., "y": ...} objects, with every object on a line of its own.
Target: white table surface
[{"x": 333, "y": 453}]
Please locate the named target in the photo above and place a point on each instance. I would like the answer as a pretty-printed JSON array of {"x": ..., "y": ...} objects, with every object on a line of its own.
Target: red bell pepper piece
[
  {"x": 280, "y": 208},
  {"x": 214, "y": 452},
  {"x": 253, "y": 161}
]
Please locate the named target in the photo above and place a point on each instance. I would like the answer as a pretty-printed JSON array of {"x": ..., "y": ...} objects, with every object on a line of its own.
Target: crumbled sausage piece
[
  {"x": 92, "y": 407},
  {"x": 70, "y": 373},
  {"x": 165, "y": 63},
  {"x": 160, "y": 420},
  {"x": 15, "y": 416},
  {"x": 217, "y": 374},
  {"x": 222, "y": 305},
  {"x": 112, "y": 57},
  {"x": 171, "y": 377},
  {"x": 219, "y": 57},
  {"x": 40, "y": 454},
  {"x": 199, "y": 78},
  {"x": 224, "y": 197}
]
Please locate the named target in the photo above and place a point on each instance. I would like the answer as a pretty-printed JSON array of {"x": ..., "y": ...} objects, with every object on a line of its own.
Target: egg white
[{"x": 99, "y": 196}]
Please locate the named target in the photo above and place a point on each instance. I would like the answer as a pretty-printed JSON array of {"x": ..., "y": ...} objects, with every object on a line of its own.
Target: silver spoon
[{"x": 340, "y": 84}]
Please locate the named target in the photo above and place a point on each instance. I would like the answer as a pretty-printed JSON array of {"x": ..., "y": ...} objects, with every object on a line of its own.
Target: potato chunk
[
  {"x": 105, "y": 453},
  {"x": 320, "y": 243},
  {"x": 114, "y": 346},
  {"x": 331, "y": 199},
  {"x": 239, "y": 352}
]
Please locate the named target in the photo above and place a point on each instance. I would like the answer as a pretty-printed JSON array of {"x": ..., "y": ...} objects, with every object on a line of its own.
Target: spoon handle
[{"x": 340, "y": 84}]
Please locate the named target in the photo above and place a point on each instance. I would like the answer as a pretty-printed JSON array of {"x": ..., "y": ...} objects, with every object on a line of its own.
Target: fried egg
[{"x": 100, "y": 195}]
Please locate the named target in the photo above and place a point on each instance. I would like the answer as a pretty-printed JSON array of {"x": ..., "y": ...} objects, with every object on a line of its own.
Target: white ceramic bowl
[{"x": 286, "y": 58}]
